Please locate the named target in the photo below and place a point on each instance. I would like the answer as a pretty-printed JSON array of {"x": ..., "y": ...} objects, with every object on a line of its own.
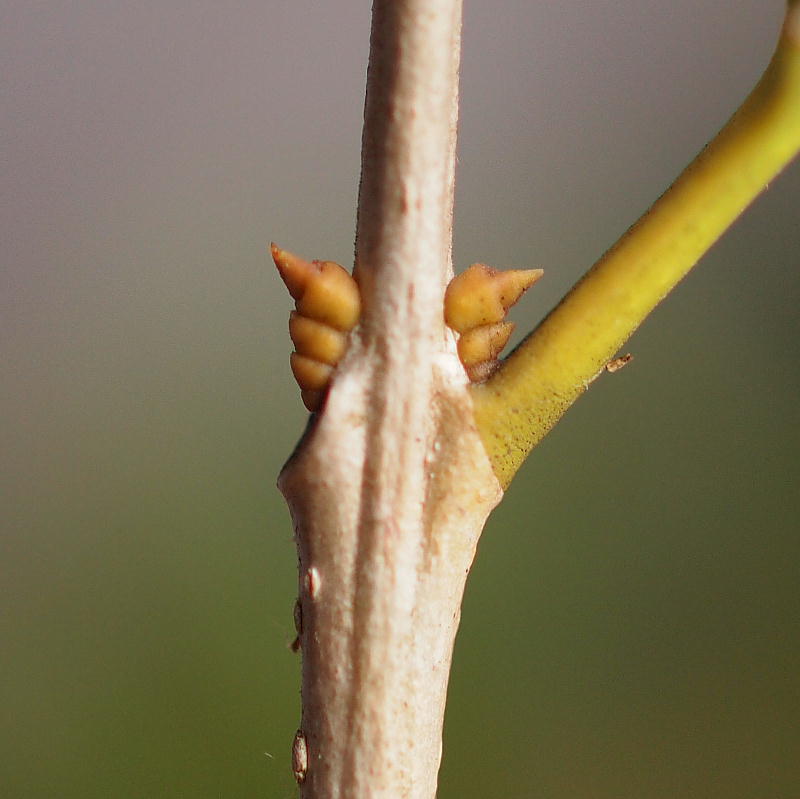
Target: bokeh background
[{"x": 632, "y": 623}]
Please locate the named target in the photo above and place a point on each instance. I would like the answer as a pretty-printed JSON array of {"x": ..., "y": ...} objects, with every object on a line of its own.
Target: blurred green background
[{"x": 632, "y": 624}]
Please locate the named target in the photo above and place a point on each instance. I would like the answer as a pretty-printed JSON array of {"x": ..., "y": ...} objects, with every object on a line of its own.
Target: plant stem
[
  {"x": 391, "y": 486},
  {"x": 538, "y": 382}
]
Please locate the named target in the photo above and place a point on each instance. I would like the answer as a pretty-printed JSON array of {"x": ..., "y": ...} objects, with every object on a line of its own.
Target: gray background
[{"x": 631, "y": 625}]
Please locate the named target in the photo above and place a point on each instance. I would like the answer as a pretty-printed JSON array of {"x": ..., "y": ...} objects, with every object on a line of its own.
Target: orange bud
[
  {"x": 482, "y": 295},
  {"x": 478, "y": 348},
  {"x": 323, "y": 290},
  {"x": 310, "y": 374},
  {"x": 475, "y": 304},
  {"x": 328, "y": 307},
  {"x": 316, "y": 340}
]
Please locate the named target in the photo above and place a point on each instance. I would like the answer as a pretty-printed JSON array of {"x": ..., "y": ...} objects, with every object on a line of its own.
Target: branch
[
  {"x": 391, "y": 485},
  {"x": 555, "y": 364}
]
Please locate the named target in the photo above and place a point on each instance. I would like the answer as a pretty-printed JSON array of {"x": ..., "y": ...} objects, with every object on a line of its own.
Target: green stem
[{"x": 536, "y": 384}]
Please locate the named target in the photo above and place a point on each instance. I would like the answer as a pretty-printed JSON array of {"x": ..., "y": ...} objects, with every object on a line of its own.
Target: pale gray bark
[{"x": 391, "y": 486}]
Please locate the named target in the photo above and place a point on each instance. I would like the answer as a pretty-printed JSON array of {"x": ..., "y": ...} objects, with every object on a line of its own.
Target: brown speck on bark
[
  {"x": 615, "y": 364},
  {"x": 312, "y": 582},
  {"x": 299, "y": 757}
]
